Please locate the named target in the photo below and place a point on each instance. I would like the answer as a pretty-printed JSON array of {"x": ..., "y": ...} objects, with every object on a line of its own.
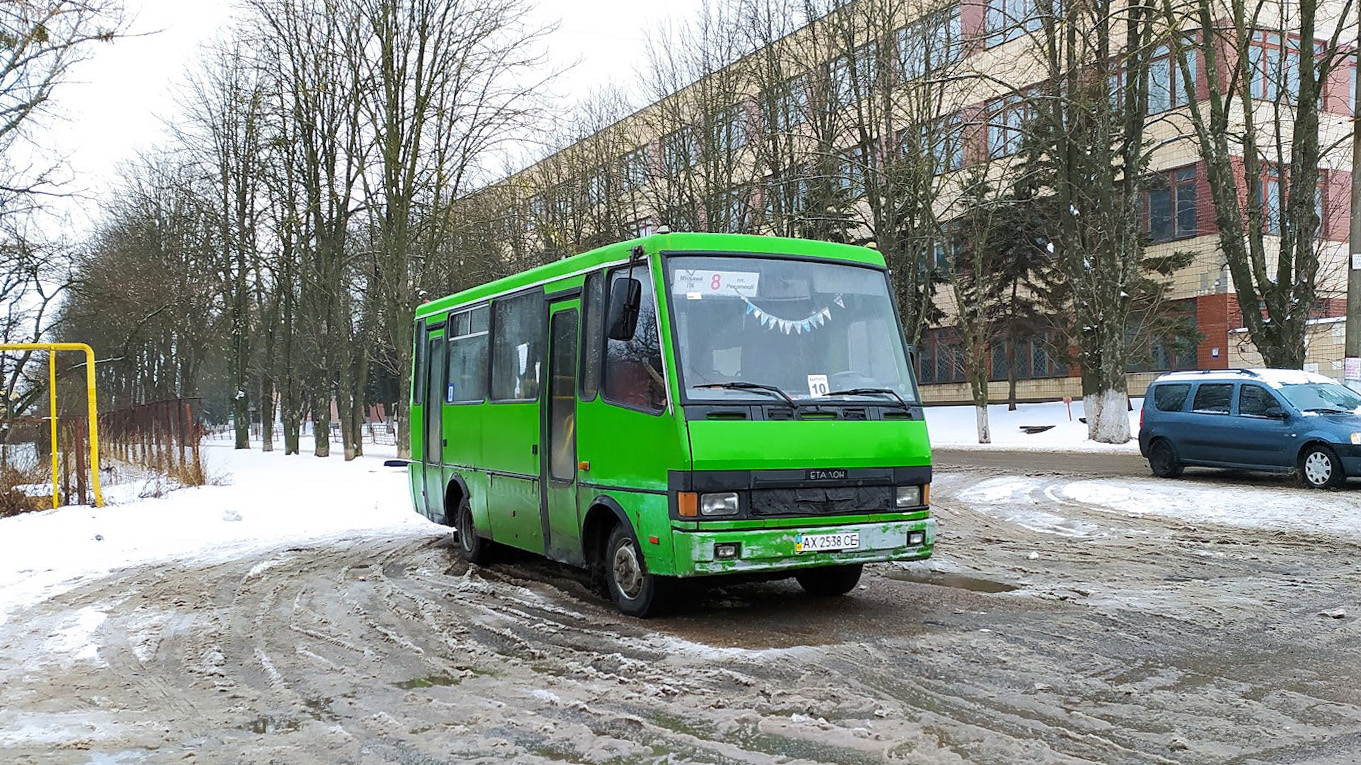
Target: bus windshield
[{"x": 796, "y": 329}]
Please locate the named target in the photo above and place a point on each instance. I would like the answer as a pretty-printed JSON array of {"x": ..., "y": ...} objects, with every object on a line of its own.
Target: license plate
[{"x": 826, "y": 542}]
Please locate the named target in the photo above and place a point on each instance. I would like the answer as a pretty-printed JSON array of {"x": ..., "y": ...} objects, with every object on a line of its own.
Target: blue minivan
[{"x": 1277, "y": 420}]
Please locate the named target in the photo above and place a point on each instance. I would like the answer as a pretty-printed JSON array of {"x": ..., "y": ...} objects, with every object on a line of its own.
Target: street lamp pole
[{"x": 1351, "y": 371}]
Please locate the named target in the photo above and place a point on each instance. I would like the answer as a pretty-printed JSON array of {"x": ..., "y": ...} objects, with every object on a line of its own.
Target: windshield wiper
[
  {"x": 741, "y": 385},
  {"x": 868, "y": 391},
  {"x": 1327, "y": 410}
]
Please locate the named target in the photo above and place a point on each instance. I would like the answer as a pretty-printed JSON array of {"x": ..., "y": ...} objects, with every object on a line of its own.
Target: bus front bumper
[{"x": 697, "y": 552}]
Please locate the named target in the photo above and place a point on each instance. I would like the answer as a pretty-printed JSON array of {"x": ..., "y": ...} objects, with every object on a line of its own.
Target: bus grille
[{"x": 832, "y": 500}]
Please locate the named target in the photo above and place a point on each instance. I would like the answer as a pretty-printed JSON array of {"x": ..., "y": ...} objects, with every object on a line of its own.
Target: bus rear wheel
[
  {"x": 631, "y": 587},
  {"x": 830, "y": 581},
  {"x": 473, "y": 548}
]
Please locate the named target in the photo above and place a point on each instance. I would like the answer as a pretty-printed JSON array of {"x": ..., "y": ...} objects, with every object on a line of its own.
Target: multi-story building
[{"x": 870, "y": 123}]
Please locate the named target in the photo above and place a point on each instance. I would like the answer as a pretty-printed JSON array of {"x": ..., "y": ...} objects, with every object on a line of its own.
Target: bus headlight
[
  {"x": 909, "y": 496},
  {"x": 724, "y": 503}
]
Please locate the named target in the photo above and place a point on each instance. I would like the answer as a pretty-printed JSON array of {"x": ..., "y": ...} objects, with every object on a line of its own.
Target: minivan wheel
[
  {"x": 1162, "y": 459},
  {"x": 1320, "y": 468}
]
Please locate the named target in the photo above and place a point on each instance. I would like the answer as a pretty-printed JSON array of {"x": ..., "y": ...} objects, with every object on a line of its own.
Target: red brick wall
[
  {"x": 1337, "y": 202},
  {"x": 971, "y": 18},
  {"x": 1337, "y": 89},
  {"x": 1214, "y": 318}
]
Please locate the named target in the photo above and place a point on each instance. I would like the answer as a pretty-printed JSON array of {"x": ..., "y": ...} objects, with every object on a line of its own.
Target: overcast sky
[{"x": 120, "y": 98}]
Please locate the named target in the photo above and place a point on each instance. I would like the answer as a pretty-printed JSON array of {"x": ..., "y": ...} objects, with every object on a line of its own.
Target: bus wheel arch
[
  {"x": 600, "y": 520},
  {"x": 454, "y": 495}
]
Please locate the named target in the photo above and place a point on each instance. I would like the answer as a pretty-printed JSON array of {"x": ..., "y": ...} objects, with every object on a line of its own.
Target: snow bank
[
  {"x": 278, "y": 501},
  {"x": 954, "y": 427}
]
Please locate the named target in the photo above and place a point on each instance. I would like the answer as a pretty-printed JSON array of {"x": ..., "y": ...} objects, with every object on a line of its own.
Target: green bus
[{"x": 681, "y": 405}]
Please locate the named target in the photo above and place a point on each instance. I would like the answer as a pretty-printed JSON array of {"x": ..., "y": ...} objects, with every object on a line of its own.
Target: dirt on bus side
[{"x": 1045, "y": 630}]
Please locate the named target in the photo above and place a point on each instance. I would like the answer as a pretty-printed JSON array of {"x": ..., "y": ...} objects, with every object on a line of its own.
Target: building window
[
  {"x": 944, "y": 140},
  {"x": 730, "y": 211},
  {"x": 729, "y": 129},
  {"x": 790, "y": 105},
  {"x": 866, "y": 68},
  {"x": 1270, "y": 191},
  {"x": 929, "y": 44},
  {"x": 1031, "y": 356},
  {"x": 1170, "y": 205},
  {"x": 940, "y": 358},
  {"x": 1164, "y": 342},
  {"x": 677, "y": 151},
  {"x": 635, "y": 168},
  {"x": 467, "y": 379},
  {"x": 1275, "y": 61},
  {"x": 597, "y": 188},
  {"x": 1006, "y": 121},
  {"x": 853, "y": 168},
  {"x": 517, "y": 347},
  {"x": 843, "y": 86},
  {"x": 1166, "y": 87},
  {"x": 1351, "y": 85},
  {"x": 787, "y": 197},
  {"x": 1009, "y": 19}
]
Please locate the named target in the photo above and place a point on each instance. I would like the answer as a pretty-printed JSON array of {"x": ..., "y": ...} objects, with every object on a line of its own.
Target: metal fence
[{"x": 163, "y": 436}]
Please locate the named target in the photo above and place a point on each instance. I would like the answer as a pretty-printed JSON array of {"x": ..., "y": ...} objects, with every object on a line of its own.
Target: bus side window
[
  {"x": 633, "y": 368},
  {"x": 418, "y": 373},
  {"x": 517, "y": 347},
  {"x": 467, "y": 357},
  {"x": 592, "y": 336}
]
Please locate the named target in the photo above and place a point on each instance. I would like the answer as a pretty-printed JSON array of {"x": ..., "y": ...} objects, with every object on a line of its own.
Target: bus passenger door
[
  {"x": 432, "y": 460},
  {"x": 559, "y": 467}
]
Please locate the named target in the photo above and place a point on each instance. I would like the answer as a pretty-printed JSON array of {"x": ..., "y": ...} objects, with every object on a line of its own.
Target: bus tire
[
  {"x": 830, "y": 581},
  {"x": 472, "y": 547},
  {"x": 636, "y": 592}
]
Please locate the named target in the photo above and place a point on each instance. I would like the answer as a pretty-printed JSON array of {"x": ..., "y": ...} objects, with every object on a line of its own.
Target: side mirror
[
  {"x": 1277, "y": 413},
  {"x": 626, "y": 296}
]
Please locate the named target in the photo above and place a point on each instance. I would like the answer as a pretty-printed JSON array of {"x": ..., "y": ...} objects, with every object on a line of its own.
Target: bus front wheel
[
  {"x": 830, "y": 580},
  {"x": 632, "y": 588},
  {"x": 473, "y": 548}
]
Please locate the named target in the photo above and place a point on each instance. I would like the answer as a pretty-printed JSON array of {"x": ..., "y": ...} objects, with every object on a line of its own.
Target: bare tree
[
  {"x": 40, "y": 40},
  {"x": 1247, "y": 54},
  {"x": 223, "y": 132},
  {"x": 445, "y": 84}
]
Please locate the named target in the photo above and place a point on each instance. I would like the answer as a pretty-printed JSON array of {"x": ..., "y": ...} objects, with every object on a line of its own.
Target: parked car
[{"x": 1276, "y": 420}]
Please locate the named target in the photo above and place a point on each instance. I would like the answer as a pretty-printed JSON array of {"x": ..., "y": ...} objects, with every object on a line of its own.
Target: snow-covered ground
[
  {"x": 1065, "y": 506},
  {"x": 955, "y": 427},
  {"x": 262, "y": 501}
]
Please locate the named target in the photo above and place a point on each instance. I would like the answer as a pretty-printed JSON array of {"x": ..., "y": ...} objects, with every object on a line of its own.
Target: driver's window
[
  {"x": 1256, "y": 401},
  {"x": 633, "y": 368}
]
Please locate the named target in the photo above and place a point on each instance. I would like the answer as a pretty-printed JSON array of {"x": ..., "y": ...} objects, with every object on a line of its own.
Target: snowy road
[{"x": 1101, "y": 620}]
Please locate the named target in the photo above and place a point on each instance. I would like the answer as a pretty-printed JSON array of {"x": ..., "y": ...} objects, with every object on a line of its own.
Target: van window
[
  {"x": 517, "y": 347},
  {"x": 1254, "y": 400},
  {"x": 1213, "y": 398},
  {"x": 1170, "y": 398}
]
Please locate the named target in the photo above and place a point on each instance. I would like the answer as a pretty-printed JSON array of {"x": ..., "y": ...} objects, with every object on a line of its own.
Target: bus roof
[{"x": 655, "y": 243}]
